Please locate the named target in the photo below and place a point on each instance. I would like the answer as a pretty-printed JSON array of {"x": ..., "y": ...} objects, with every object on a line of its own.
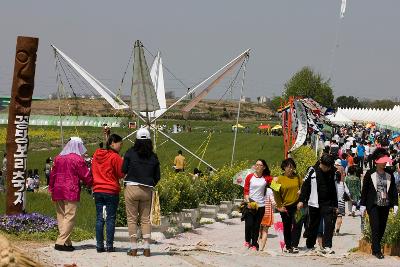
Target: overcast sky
[{"x": 198, "y": 37}]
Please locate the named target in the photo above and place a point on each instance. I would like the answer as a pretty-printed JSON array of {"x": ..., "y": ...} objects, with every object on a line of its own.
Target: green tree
[
  {"x": 384, "y": 103},
  {"x": 306, "y": 83},
  {"x": 275, "y": 103},
  {"x": 347, "y": 102}
]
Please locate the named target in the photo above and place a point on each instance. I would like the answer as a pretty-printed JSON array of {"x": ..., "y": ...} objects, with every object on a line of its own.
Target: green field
[{"x": 45, "y": 142}]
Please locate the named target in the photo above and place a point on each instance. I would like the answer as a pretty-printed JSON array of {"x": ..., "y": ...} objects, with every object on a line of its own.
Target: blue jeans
[{"x": 110, "y": 201}]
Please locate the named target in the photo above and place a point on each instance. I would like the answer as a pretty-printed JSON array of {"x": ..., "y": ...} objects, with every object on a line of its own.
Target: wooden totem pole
[{"x": 18, "y": 121}]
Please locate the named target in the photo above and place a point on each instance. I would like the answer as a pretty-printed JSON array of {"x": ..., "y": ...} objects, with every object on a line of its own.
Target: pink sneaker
[
  {"x": 254, "y": 248},
  {"x": 246, "y": 244}
]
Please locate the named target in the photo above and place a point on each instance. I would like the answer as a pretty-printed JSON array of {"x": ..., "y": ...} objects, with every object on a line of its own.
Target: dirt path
[{"x": 224, "y": 240}]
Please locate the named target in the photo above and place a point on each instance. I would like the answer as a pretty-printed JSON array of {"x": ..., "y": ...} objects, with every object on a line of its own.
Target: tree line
[{"x": 307, "y": 83}]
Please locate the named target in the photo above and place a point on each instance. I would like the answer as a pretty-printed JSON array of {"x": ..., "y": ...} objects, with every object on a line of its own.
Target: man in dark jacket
[{"x": 319, "y": 192}]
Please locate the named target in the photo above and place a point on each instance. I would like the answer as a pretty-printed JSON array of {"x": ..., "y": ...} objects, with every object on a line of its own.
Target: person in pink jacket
[{"x": 64, "y": 186}]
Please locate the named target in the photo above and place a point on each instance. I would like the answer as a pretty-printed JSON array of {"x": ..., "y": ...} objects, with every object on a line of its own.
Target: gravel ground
[{"x": 224, "y": 242}]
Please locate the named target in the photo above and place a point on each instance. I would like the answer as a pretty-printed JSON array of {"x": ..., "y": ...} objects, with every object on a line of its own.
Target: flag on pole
[{"x": 343, "y": 9}]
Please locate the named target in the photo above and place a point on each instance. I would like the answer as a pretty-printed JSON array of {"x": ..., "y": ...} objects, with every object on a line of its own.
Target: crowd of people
[
  {"x": 139, "y": 170},
  {"x": 358, "y": 166}
]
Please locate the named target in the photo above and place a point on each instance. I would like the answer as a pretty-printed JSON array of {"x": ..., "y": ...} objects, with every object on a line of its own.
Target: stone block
[
  {"x": 225, "y": 207},
  {"x": 175, "y": 219},
  {"x": 208, "y": 213},
  {"x": 237, "y": 202},
  {"x": 191, "y": 216}
]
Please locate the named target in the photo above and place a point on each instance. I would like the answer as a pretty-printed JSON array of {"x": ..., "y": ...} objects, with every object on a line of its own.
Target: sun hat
[
  {"x": 338, "y": 162},
  {"x": 384, "y": 159},
  {"x": 143, "y": 133}
]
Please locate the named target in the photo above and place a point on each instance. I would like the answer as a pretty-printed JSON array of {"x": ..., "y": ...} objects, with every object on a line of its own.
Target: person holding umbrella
[{"x": 255, "y": 187}]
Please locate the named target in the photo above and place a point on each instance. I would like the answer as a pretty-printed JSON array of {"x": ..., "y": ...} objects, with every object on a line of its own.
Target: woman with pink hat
[{"x": 378, "y": 195}]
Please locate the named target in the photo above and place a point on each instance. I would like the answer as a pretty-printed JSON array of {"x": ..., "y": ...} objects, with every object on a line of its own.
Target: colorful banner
[{"x": 301, "y": 125}]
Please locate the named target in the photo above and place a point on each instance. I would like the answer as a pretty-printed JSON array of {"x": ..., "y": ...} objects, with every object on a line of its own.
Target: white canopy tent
[
  {"x": 385, "y": 118},
  {"x": 339, "y": 119}
]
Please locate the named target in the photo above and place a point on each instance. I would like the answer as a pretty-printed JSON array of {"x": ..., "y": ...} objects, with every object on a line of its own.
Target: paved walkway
[{"x": 224, "y": 240}]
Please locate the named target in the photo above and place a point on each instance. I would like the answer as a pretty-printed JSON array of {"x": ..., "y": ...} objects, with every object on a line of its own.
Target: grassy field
[{"x": 45, "y": 142}]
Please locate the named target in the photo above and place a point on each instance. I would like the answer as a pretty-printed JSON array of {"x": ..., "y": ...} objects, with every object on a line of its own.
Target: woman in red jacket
[
  {"x": 255, "y": 188},
  {"x": 107, "y": 171}
]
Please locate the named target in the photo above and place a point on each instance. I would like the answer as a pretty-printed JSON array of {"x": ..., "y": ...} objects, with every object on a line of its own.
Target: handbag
[{"x": 155, "y": 214}]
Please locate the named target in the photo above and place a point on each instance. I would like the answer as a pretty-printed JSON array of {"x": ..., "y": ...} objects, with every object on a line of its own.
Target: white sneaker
[{"x": 327, "y": 251}]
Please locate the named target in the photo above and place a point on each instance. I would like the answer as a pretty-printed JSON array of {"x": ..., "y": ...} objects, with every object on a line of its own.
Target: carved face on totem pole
[
  {"x": 25, "y": 61},
  {"x": 18, "y": 122}
]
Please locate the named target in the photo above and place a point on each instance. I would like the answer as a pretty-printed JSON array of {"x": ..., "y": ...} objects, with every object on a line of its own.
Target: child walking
[{"x": 268, "y": 218}]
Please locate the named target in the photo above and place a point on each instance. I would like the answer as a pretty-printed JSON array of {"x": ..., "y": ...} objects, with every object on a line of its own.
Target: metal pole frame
[
  {"x": 59, "y": 83},
  {"x": 238, "y": 112},
  {"x": 200, "y": 84},
  {"x": 149, "y": 123}
]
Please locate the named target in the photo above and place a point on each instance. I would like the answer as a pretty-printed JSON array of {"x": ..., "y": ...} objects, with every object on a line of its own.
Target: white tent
[
  {"x": 386, "y": 118},
  {"x": 340, "y": 119}
]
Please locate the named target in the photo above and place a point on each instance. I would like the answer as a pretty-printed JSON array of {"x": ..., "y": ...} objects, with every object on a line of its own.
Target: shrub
[
  {"x": 220, "y": 186},
  {"x": 392, "y": 232},
  {"x": 121, "y": 212},
  {"x": 179, "y": 191},
  {"x": 304, "y": 157}
]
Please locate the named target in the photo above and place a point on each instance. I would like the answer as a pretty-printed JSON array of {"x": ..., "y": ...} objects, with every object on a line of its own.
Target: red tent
[{"x": 267, "y": 126}]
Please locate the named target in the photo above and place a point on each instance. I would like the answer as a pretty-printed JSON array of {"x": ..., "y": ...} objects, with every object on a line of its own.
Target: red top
[
  {"x": 107, "y": 170},
  {"x": 246, "y": 190}
]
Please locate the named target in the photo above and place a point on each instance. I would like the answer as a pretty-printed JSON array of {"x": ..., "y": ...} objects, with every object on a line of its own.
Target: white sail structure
[
  {"x": 157, "y": 77},
  {"x": 108, "y": 95},
  {"x": 343, "y": 8}
]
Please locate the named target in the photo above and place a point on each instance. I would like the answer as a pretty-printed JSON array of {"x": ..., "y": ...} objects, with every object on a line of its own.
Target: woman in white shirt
[{"x": 255, "y": 188}]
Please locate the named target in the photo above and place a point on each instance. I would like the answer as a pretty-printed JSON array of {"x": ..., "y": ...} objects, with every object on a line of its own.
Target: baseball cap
[
  {"x": 143, "y": 133},
  {"x": 384, "y": 159},
  {"x": 338, "y": 162}
]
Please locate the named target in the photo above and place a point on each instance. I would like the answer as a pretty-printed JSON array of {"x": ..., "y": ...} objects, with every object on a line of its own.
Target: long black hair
[
  {"x": 144, "y": 148},
  {"x": 113, "y": 138},
  {"x": 266, "y": 171}
]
